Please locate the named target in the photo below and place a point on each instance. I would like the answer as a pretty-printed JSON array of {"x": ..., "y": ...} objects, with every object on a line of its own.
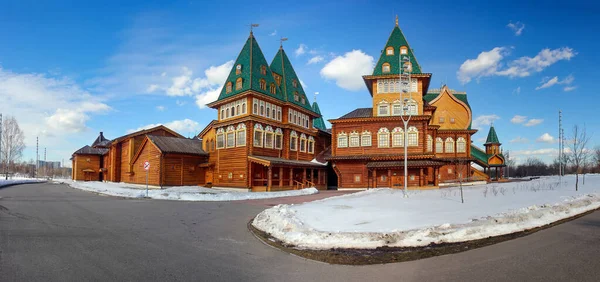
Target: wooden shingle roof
[
  {"x": 359, "y": 113},
  {"x": 177, "y": 145},
  {"x": 87, "y": 150}
]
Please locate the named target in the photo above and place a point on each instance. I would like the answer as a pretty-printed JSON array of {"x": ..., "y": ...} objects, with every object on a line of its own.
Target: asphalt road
[{"x": 51, "y": 232}]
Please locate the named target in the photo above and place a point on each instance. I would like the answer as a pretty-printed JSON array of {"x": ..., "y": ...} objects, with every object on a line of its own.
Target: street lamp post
[{"x": 406, "y": 97}]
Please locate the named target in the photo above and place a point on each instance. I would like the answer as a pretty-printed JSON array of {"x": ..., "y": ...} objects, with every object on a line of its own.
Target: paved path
[{"x": 50, "y": 232}]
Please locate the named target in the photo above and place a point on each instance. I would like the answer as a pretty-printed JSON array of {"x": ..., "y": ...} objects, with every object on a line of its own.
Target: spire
[
  {"x": 492, "y": 137},
  {"x": 318, "y": 122},
  {"x": 396, "y": 41},
  {"x": 290, "y": 83},
  {"x": 396, "y": 20},
  {"x": 251, "y": 67}
]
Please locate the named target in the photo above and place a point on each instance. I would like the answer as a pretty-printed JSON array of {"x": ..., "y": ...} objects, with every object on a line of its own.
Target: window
[
  {"x": 389, "y": 51},
  {"x": 278, "y": 138},
  {"x": 296, "y": 97},
  {"x": 413, "y": 136},
  {"x": 268, "y": 137},
  {"x": 311, "y": 145},
  {"x": 383, "y": 108},
  {"x": 278, "y": 80},
  {"x": 439, "y": 145},
  {"x": 227, "y": 113},
  {"x": 255, "y": 107},
  {"x": 238, "y": 83},
  {"x": 413, "y": 108},
  {"x": 237, "y": 110},
  {"x": 241, "y": 135},
  {"x": 461, "y": 145},
  {"x": 228, "y": 87},
  {"x": 243, "y": 108},
  {"x": 383, "y": 138},
  {"x": 365, "y": 139},
  {"x": 222, "y": 114},
  {"x": 263, "y": 70},
  {"x": 449, "y": 145},
  {"x": 385, "y": 67},
  {"x": 268, "y": 110},
  {"x": 293, "y": 141},
  {"x": 220, "y": 138},
  {"x": 354, "y": 139},
  {"x": 397, "y": 137},
  {"x": 396, "y": 108},
  {"x": 263, "y": 84},
  {"x": 403, "y": 50},
  {"x": 429, "y": 143},
  {"x": 262, "y": 108},
  {"x": 230, "y": 136},
  {"x": 414, "y": 86},
  {"x": 441, "y": 119},
  {"x": 302, "y": 143},
  {"x": 342, "y": 140},
  {"x": 449, "y": 171},
  {"x": 383, "y": 178},
  {"x": 258, "y": 135},
  {"x": 452, "y": 120},
  {"x": 303, "y": 101},
  {"x": 357, "y": 178},
  {"x": 279, "y": 113},
  {"x": 272, "y": 88},
  {"x": 273, "y": 112},
  {"x": 238, "y": 69},
  {"x": 294, "y": 83}
]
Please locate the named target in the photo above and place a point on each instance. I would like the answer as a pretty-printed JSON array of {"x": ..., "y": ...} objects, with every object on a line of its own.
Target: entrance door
[{"x": 397, "y": 181}]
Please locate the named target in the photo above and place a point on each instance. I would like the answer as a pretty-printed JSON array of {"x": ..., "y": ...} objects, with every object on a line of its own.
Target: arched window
[
  {"x": 272, "y": 88},
  {"x": 385, "y": 67},
  {"x": 262, "y": 108},
  {"x": 403, "y": 50},
  {"x": 389, "y": 51},
  {"x": 365, "y": 138},
  {"x": 449, "y": 145},
  {"x": 243, "y": 108},
  {"x": 269, "y": 137},
  {"x": 293, "y": 141},
  {"x": 354, "y": 139},
  {"x": 268, "y": 110},
  {"x": 238, "y": 83},
  {"x": 295, "y": 83},
  {"x": 220, "y": 138},
  {"x": 386, "y": 87},
  {"x": 383, "y": 138},
  {"x": 383, "y": 109},
  {"x": 342, "y": 140},
  {"x": 228, "y": 87},
  {"x": 311, "y": 145},
  {"x": 258, "y": 135},
  {"x": 222, "y": 113},
  {"x": 439, "y": 145},
  {"x": 278, "y": 138},
  {"x": 296, "y": 97},
  {"x": 413, "y": 136},
  {"x": 230, "y": 136},
  {"x": 302, "y": 142},
  {"x": 227, "y": 113},
  {"x": 263, "y": 70},
  {"x": 255, "y": 107},
  {"x": 241, "y": 135},
  {"x": 397, "y": 108},
  {"x": 380, "y": 86},
  {"x": 413, "y": 107},
  {"x": 278, "y": 113},
  {"x": 263, "y": 84},
  {"x": 461, "y": 145},
  {"x": 429, "y": 143},
  {"x": 237, "y": 110},
  {"x": 273, "y": 116},
  {"x": 397, "y": 137}
]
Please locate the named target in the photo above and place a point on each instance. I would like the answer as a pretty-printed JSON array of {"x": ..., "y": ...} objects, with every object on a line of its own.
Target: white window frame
[
  {"x": 461, "y": 145},
  {"x": 259, "y": 135},
  {"x": 366, "y": 139},
  {"x": 354, "y": 140},
  {"x": 413, "y": 136},
  {"x": 439, "y": 145},
  {"x": 449, "y": 145},
  {"x": 221, "y": 136},
  {"x": 429, "y": 143},
  {"x": 398, "y": 137},
  {"x": 278, "y": 137},
  {"x": 240, "y": 135},
  {"x": 383, "y": 135},
  {"x": 303, "y": 143},
  {"x": 293, "y": 141},
  {"x": 342, "y": 140}
]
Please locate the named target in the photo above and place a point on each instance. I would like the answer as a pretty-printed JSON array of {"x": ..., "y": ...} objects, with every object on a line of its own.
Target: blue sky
[{"x": 69, "y": 69}]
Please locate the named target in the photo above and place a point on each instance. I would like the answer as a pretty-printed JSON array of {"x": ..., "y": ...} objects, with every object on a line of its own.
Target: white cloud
[
  {"x": 207, "y": 96},
  {"x": 346, "y": 70},
  {"x": 490, "y": 63},
  {"x": 160, "y": 108},
  {"x": 484, "y": 120},
  {"x": 533, "y": 122},
  {"x": 301, "y": 50},
  {"x": 569, "y": 88},
  {"x": 517, "y": 90},
  {"x": 183, "y": 127},
  {"x": 517, "y": 27},
  {"x": 546, "y": 138},
  {"x": 519, "y": 139},
  {"x": 152, "y": 88},
  {"x": 315, "y": 59},
  {"x": 538, "y": 152},
  {"x": 549, "y": 82},
  {"x": 273, "y": 33},
  {"x": 518, "y": 119}
]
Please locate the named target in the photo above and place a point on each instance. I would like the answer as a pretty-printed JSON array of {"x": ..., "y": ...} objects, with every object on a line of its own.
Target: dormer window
[
  {"x": 303, "y": 101},
  {"x": 272, "y": 88},
  {"x": 385, "y": 67},
  {"x": 263, "y": 70},
  {"x": 389, "y": 51},
  {"x": 238, "y": 69},
  {"x": 296, "y": 97},
  {"x": 263, "y": 84},
  {"x": 442, "y": 119},
  {"x": 294, "y": 83},
  {"x": 228, "y": 87},
  {"x": 278, "y": 80},
  {"x": 238, "y": 83},
  {"x": 403, "y": 50}
]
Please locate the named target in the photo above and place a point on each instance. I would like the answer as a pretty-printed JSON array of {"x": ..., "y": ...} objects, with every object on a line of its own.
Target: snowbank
[
  {"x": 182, "y": 193},
  {"x": 384, "y": 217},
  {"x": 15, "y": 181}
]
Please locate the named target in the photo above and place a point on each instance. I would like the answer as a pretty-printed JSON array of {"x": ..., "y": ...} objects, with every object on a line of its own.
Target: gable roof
[
  {"x": 87, "y": 150},
  {"x": 396, "y": 40},
  {"x": 359, "y": 113},
  {"x": 177, "y": 145},
  {"x": 492, "y": 137},
  {"x": 432, "y": 94},
  {"x": 282, "y": 66},
  {"x": 250, "y": 59},
  {"x": 146, "y": 131},
  {"x": 318, "y": 122},
  {"x": 101, "y": 141}
]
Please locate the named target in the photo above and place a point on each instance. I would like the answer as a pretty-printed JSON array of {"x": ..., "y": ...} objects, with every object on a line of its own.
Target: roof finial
[
  {"x": 281, "y": 42},
  {"x": 316, "y": 93},
  {"x": 253, "y": 25},
  {"x": 396, "y": 20}
]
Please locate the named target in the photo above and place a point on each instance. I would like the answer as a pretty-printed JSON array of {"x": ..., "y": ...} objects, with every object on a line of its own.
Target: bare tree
[
  {"x": 579, "y": 154},
  {"x": 596, "y": 159},
  {"x": 460, "y": 166},
  {"x": 13, "y": 142},
  {"x": 510, "y": 163}
]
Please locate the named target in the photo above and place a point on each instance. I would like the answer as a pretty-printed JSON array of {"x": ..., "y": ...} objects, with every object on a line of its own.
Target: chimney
[{"x": 101, "y": 136}]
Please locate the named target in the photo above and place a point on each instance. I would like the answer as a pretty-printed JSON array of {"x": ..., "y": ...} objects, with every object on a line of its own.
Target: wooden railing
[{"x": 298, "y": 185}]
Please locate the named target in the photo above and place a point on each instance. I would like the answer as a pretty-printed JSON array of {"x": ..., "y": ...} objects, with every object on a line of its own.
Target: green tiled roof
[
  {"x": 479, "y": 154},
  {"x": 318, "y": 122},
  {"x": 492, "y": 137},
  {"x": 281, "y": 65},
  {"x": 396, "y": 40},
  {"x": 250, "y": 59}
]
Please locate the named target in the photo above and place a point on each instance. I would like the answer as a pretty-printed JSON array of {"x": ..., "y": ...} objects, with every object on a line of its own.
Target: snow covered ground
[
  {"x": 18, "y": 180},
  {"x": 181, "y": 193},
  {"x": 384, "y": 217}
]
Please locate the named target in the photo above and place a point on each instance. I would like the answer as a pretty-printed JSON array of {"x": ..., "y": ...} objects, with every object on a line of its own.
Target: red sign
[{"x": 146, "y": 165}]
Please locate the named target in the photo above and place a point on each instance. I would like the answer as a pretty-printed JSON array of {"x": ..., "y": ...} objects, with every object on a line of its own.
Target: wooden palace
[{"x": 368, "y": 143}]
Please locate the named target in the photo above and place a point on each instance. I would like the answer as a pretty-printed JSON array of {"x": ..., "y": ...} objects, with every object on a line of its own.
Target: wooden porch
[{"x": 276, "y": 174}]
